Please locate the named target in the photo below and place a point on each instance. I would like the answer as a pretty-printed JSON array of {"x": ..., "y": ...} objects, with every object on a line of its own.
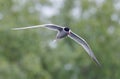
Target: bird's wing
[
  {"x": 54, "y": 27},
  {"x": 49, "y": 26},
  {"x": 84, "y": 44}
]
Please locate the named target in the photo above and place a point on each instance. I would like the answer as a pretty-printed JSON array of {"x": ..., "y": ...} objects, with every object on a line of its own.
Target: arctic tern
[{"x": 64, "y": 32}]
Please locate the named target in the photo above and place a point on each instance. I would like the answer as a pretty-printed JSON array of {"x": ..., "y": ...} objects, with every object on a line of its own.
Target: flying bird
[{"x": 64, "y": 32}]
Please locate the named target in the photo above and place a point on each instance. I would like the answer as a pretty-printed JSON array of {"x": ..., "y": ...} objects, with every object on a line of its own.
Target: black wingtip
[{"x": 97, "y": 62}]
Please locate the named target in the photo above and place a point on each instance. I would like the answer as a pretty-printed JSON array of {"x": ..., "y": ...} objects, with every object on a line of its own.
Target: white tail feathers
[{"x": 54, "y": 41}]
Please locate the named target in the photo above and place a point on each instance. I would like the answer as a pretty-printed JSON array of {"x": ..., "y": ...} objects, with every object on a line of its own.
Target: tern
[{"x": 64, "y": 32}]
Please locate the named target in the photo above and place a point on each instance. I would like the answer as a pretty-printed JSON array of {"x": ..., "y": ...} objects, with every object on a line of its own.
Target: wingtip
[
  {"x": 17, "y": 28},
  {"x": 14, "y": 29},
  {"x": 97, "y": 62},
  {"x": 22, "y": 28}
]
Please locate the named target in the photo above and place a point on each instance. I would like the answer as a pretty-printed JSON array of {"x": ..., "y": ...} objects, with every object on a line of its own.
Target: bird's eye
[{"x": 66, "y": 29}]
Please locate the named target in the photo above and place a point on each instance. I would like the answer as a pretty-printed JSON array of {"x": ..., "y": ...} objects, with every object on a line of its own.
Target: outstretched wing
[
  {"x": 84, "y": 44},
  {"x": 49, "y": 26}
]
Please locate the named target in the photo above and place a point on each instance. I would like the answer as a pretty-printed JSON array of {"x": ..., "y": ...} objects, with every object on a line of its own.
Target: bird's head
[{"x": 66, "y": 29}]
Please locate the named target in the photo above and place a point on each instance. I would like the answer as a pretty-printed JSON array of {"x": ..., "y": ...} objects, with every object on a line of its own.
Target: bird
[{"x": 66, "y": 32}]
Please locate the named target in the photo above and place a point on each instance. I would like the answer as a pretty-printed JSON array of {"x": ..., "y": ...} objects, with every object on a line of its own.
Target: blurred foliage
[{"x": 28, "y": 54}]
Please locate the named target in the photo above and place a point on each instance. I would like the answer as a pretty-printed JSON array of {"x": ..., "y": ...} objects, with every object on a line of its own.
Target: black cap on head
[{"x": 66, "y": 29}]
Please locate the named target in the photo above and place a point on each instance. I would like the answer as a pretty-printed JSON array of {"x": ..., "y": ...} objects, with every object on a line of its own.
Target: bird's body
[{"x": 64, "y": 32}]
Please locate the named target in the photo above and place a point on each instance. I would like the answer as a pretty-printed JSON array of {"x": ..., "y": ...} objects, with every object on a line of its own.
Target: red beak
[{"x": 68, "y": 33}]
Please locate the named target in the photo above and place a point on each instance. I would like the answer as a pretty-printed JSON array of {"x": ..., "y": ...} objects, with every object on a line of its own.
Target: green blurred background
[{"x": 30, "y": 54}]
